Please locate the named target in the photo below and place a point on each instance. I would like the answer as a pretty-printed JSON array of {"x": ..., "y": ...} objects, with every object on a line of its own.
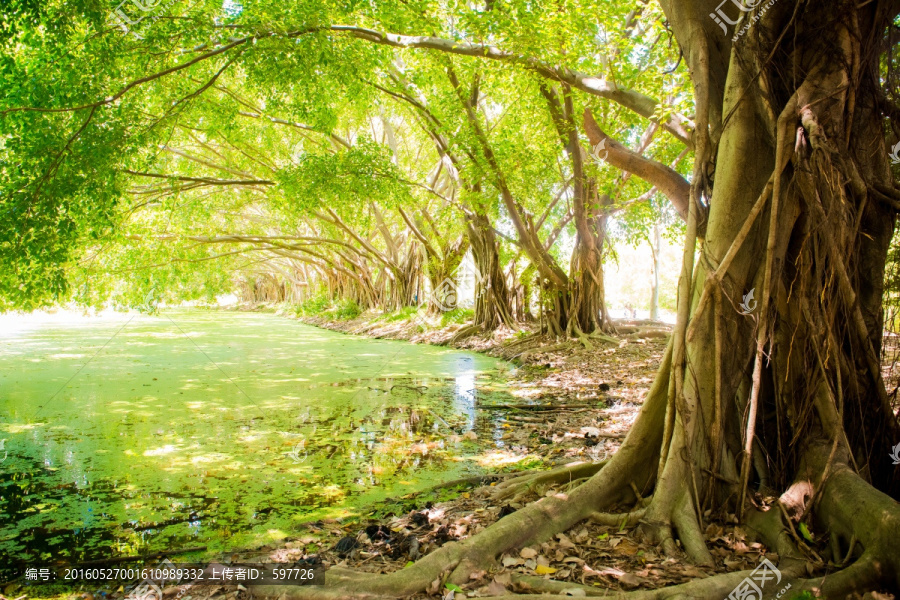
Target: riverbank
[{"x": 613, "y": 370}]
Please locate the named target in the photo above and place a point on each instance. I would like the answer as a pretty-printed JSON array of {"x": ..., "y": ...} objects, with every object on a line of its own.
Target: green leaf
[
  {"x": 804, "y": 531},
  {"x": 453, "y": 587}
]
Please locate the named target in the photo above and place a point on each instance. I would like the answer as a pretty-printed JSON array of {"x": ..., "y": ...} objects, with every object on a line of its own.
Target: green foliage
[
  {"x": 457, "y": 315},
  {"x": 404, "y": 314},
  {"x": 345, "y": 309},
  {"x": 323, "y": 305},
  {"x": 362, "y": 171},
  {"x": 146, "y": 157},
  {"x": 314, "y": 305}
]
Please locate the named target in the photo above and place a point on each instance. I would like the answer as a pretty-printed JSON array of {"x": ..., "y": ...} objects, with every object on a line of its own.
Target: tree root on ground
[
  {"x": 518, "y": 487},
  {"x": 466, "y": 332}
]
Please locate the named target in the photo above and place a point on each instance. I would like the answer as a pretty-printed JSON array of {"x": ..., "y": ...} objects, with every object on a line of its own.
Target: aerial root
[
  {"x": 519, "y": 487},
  {"x": 686, "y": 523},
  {"x": 466, "y": 332}
]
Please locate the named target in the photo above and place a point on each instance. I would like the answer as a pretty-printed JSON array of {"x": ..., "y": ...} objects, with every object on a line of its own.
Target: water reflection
[{"x": 226, "y": 439}]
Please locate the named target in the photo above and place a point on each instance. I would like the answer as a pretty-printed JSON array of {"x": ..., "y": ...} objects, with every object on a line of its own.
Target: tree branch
[
  {"x": 666, "y": 179},
  {"x": 678, "y": 125}
]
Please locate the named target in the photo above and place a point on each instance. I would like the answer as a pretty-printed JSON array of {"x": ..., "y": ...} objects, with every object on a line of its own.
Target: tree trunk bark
[
  {"x": 491, "y": 293},
  {"x": 654, "y": 282}
]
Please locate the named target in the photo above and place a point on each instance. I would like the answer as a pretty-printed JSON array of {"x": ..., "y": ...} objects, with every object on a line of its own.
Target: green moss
[
  {"x": 457, "y": 315},
  {"x": 404, "y": 314},
  {"x": 345, "y": 309},
  {"x": 315, "y": 305}
]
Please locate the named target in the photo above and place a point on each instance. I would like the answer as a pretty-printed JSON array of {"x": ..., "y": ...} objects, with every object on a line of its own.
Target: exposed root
[
  {"x": 620, "y": 520},
  {"x": 534, "y": 482},
  {"x": 466, "y": 332},
  {"x": 527, "y": 583}
]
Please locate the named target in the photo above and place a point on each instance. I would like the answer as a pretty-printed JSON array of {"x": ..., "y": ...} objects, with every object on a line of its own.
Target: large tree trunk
[
  {"x": 587, "y": 297},
  {"x": 655, "y": 248},
  {"x": 795, "y": 216},
  {"x": 491, "y": 293}
]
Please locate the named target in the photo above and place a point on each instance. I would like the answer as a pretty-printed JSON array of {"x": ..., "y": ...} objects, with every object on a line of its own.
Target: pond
[{"x": 128, "y": 433}]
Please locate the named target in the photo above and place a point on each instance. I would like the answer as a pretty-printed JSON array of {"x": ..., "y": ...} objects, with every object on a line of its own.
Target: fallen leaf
[
  {"x": 630, "y": 579},
  {"x": 804, "y": 531},
  {"x": 528, "y": 553},
  {"x": 495, "y": 588},
  {"x": 542, "y": 570},
  {"x": 627, "y": 547},
  {"x": 511, "y": 561}
]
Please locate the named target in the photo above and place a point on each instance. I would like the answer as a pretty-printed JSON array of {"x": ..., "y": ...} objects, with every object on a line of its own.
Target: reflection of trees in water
[
  {"x": 395, "y": 432},
  {"x": 410, "y": 430}
]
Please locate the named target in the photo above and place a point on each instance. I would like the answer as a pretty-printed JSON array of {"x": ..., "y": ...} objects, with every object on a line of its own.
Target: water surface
[{"x": 129, "y": 433}]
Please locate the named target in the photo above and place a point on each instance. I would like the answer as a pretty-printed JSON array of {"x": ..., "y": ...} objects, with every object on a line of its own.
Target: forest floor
[{"x": 577, "y": 405}]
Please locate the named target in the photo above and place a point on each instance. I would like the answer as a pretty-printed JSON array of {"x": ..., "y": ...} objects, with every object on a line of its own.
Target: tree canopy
[{"x": 206, "y": 139}]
